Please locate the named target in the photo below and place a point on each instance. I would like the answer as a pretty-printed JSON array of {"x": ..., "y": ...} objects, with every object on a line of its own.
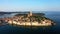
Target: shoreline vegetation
[{"x": 30, "y": 19}]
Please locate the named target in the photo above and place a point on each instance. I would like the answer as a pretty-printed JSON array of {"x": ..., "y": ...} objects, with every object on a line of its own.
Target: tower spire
[{"x": 30, "y": 12}]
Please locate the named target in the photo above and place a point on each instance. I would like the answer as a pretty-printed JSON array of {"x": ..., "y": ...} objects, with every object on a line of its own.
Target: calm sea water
[{"x": 10, "y": 29}]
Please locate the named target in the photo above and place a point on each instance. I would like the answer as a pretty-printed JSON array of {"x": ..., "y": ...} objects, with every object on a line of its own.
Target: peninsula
[{"x": 30, "y": 19}]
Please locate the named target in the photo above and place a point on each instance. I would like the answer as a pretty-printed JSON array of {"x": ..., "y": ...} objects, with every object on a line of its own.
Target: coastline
[{"x": 29, "y": 19}]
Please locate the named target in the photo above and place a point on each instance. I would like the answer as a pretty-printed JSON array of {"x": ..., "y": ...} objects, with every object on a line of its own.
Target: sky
[{"x": 26, "y": 5}]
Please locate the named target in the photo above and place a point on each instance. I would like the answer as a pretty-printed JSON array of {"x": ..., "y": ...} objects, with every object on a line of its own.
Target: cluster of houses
[{"x": 27, "y": 19}]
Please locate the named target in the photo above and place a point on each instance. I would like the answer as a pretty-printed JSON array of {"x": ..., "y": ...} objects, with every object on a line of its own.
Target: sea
[{"x": 15, "y": 29}]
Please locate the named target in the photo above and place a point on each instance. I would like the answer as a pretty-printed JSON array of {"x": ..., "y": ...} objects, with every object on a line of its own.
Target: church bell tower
[{"x": 30, "y": 14}]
